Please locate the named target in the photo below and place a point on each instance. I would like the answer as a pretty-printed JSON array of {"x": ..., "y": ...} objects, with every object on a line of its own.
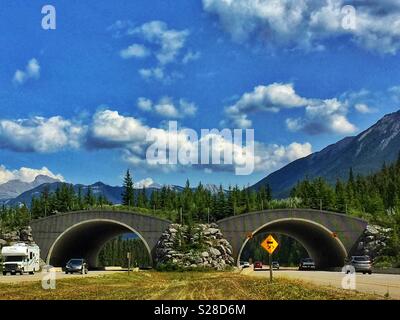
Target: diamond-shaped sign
[{"x": 269, "y": 244}]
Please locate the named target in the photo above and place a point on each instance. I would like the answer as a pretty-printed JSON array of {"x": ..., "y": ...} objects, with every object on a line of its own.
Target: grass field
[{"x": 177, "y": 286}]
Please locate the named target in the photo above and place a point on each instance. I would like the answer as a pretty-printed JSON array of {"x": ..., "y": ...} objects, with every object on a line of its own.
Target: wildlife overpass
[{"x": 328, "y": 237}]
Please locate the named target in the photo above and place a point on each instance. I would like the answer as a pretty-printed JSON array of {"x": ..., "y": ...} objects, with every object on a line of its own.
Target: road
[
  {"x": 59, "y": 275},
  {"x": 376, "y": 283}
]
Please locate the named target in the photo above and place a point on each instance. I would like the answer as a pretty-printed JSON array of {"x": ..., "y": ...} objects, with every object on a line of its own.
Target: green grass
[{"x": 177, "y": 286}]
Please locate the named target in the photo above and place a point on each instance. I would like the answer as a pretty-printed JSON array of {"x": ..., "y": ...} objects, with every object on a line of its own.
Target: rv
[{"x": 20, "y": 258}]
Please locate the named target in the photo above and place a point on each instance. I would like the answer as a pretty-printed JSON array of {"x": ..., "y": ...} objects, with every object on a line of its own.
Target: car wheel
[
  {"x": 66, "y": 272},
  {"x": 32, "y": 272},
  {"x": 364, "y": 272},
  {"x": 370, "y": 272},
  {"x": 4, "y": 273}
]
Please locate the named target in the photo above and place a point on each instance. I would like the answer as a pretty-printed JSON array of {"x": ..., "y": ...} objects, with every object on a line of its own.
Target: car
[
  {"x": 306, "y": 264},
  {"x": 77, "y": 265},
  {"x": 244, "y": 264},
  {"x": 361, "y": 264},
  {"x": 257, "y": 265},
  {"x": 275, "y": 265}
]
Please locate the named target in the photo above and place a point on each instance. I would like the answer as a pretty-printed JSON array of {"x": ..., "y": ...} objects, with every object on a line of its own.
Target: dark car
[
  {"x": 77, "y": 265},
  {"x": 361, "y": 264},
  {"x": 257, "y": 265},
  {"x": 306, "y": 264},
  {"x": 275, "y": 265}
]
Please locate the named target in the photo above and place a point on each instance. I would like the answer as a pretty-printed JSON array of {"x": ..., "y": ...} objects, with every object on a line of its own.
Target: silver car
[{"x": 361, "y": 264}]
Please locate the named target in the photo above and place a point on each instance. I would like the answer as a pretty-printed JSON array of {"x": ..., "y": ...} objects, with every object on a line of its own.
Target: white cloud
[
  {"x": 364, "y": 108},
  {"x": 164, "y": 43},
  {"x": 191, "y": 56},
  {"x": 145, "y": 104},
  {"x": 26, "y": 174},
  {"x": 321, "y": 116},
  {"x": 109, "y": 129},
  {"x": 272, "y": 157},
  {"x": 269, "y": 98},
  {"x": 135, "y": 51},
  {"x": 32, "y": 71},
  {"x": 40, "y": 134},
  {"x": 167, "y": 108},
  {"x": 170, "y": 41},
  {"x": 145, "y": 183},
  {"x": 324, "y": 116},
  {"x": 307, "y": 24}
]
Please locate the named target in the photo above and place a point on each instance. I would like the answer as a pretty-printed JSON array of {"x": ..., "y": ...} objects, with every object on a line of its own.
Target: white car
[{"x": 244, "y": 264}]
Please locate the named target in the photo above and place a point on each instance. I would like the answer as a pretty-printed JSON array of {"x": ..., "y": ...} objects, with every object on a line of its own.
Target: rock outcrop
[
  {"x": 374, "y": 241},
  {"x": 22, "y": 235},
  {"x": 194, "y": 247}
]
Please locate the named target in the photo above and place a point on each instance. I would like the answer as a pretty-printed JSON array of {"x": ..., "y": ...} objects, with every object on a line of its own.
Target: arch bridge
[{"x": 328, "y": 237}]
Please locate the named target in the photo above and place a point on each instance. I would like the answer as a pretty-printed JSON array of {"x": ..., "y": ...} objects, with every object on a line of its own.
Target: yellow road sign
[{"x": 270, "y": 244}]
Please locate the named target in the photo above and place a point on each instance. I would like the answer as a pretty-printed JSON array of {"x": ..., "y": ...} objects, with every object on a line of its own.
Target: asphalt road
[
  {"x": 59, "y": 275},
  {"x": 376, "y": 283}
]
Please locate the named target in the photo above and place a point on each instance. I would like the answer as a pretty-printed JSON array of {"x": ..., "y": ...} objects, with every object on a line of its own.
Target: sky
[{"x": 77, "y": 102}]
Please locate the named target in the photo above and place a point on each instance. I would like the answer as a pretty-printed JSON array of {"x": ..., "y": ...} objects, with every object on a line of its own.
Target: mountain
[
  {"x": 365, "y": 153},
  {"x": 112, "y": 193},
  {"x": 14, "y": 188}
]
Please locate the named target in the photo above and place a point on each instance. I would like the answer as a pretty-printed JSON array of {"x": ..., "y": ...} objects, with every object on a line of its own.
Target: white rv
[{"x": 20, "y": 258}]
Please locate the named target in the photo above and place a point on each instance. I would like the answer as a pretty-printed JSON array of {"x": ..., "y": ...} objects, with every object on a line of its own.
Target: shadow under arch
[
  {"x": 322, "y": 245},
  {"x": 85, "y": 240}
]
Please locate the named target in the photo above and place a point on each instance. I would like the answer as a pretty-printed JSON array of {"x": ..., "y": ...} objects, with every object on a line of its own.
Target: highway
[
  {"x": 376, "y": 283},
  {"x": 59, "y": 275}
]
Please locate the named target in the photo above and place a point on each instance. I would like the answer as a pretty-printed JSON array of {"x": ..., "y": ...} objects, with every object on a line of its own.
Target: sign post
[
  {"x": 128, "y": 255},
  {"x": 270, "y": 244}
]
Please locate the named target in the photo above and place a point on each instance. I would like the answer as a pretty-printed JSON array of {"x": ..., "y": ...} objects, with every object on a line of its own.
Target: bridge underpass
[{"x": 328, "y": 237}]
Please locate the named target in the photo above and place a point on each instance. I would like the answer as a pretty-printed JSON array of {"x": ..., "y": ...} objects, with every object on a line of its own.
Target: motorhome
[{"x": 20, "y": 258}]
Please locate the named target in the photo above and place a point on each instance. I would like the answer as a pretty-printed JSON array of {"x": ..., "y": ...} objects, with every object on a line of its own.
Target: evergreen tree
[{"x": 128, "y": 196}]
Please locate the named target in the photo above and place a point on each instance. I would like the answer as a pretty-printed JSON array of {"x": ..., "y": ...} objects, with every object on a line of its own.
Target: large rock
[
  {"x": 200, "y": 246},
  {"x": 374, "y": 241}
]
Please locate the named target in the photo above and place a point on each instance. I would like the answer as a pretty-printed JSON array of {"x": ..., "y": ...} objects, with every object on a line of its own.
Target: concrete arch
[
  {"x": 62, "y": 250},
  {"x": 329, "y": 237},
  {"x": 83, "y": 233},
  {"x": 320, "y": 243}
]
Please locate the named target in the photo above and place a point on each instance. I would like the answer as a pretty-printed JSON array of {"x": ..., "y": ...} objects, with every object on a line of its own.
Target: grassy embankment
[{"x": 177, "y": 286}]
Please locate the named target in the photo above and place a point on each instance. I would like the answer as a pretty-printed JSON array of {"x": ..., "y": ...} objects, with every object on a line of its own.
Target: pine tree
[{"x": 128, "y": 196}]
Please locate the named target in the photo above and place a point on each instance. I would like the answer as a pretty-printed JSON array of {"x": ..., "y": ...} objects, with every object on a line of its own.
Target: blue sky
[{"x": 77, "y": 101}]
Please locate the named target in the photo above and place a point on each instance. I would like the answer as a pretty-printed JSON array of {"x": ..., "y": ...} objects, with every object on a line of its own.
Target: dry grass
[{"x": 176, "y": 286}]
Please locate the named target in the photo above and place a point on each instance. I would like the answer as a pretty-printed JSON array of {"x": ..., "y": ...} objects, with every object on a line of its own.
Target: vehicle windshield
[
  {"x": 361, "y": 258},
  {"x": 308, "y": 260},
  {"x": 14, "y": 258},
  {"x": 75, "y": 261}
]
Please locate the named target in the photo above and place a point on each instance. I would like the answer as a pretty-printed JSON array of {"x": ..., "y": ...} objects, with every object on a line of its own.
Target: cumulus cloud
[
  {"x": 135, "y": 51},
  {"x": 26, "y": 174},
  {"x": 109, "y": 129},
  {"x": 40, "y": 134},
  {"x": 364, "y": 108},
  {"x": 307, "y": 24},
  {"x": 191, "y": 56},
  {"x": 168, "y": 108},
  {"x": 165, "y": 44},
  {"x": 321, "y": 116},
  {"x": 32, "y": 71},
  {"x": 144, "y": 183},
  {"x": 169, "y": 41},
  {"x": 271, "y": 98}
]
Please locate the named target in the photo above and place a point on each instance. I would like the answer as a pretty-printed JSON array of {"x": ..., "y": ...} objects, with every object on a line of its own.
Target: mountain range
[
  {"x": 364, "y": 153},
  {"x": 14, "y": 188}
]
